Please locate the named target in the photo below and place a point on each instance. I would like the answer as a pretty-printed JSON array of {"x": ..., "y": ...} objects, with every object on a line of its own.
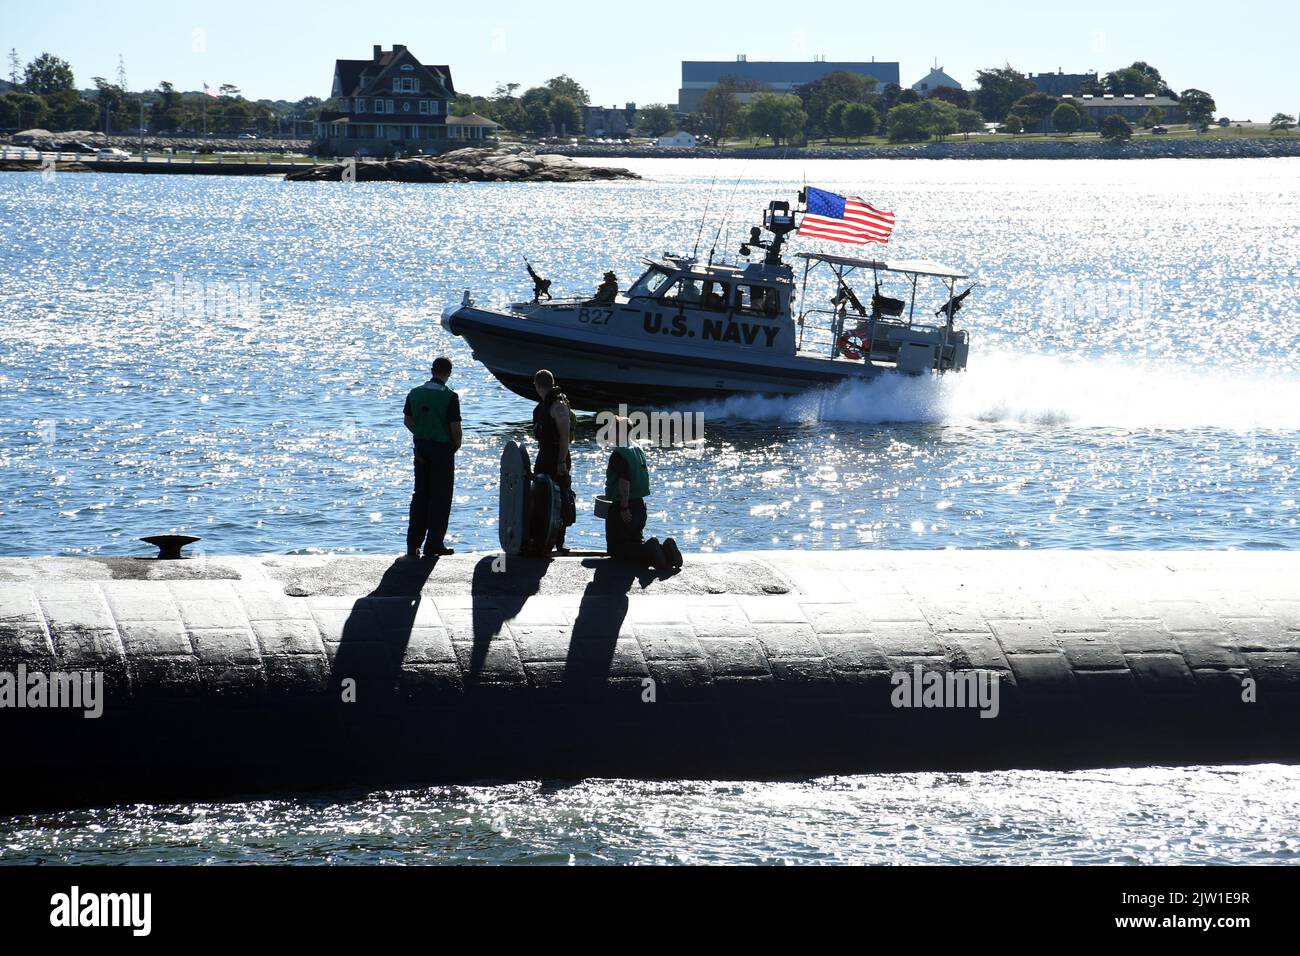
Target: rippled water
[
  {"x": 1132, "y": 378},
  {"x": 1132, "y": 383},
  {"x": 1196, "y": 815}
]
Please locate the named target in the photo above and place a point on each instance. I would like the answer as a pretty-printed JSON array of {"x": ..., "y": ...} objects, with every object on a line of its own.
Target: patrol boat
[{"x": 688, "y": 330}]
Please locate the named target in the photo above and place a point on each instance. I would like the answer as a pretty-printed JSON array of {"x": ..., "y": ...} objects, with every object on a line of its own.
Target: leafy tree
[
  {"x": 464, "y": 104},
  {"x": 1013, "y": 124},
  {"x": 779, "y": 116},
  {"x": 1152, "y": 117},
  {"x": 1139, "y": 79},
  {"x": 27, "y": 109},
  {"x": 1115, "y": 129},
  {"x": 67, "y": 110},
  {"x": 48, "y": 74},
  {"x": 656, "y": 120},
  {"x": 859, "y": 120},
  {"x": 1034, "y": 107},
  {"x": 9, "y": 111},
  {"x": 566, "y": 117},
  {"x": 506, "y": 108},
  {"x": 1197, "y": 106},
  {"x": 565, "y": 85},
  {"x": 537, "y": 118},
  {"x": 1091, "y": 87},
  {"x": 1066, "y": 118},
  {"x": 999, "y": 89},
  {"x": 839, "y": 86},
  {"x": 111, "y": 100},
  {"x": 833, "y": 121},
  {"x": 950, "y": 94},
  {"x": 888, "y": 98},
  {"x": 906, "y": 123},
  {"x": 969, "y": 121},
  {"x": 1281, "y": 122},
  {"x": 909, "y": 96},
  {"x": 940, "y": 118},
  {"x": 720, "y": 106}
]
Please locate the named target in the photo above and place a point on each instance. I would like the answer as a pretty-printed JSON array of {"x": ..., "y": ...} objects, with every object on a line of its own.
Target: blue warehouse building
[{"x": 778, "y": 76}]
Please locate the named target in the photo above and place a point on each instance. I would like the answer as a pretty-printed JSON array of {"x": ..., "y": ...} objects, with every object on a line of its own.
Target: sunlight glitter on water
[{"x": 1131, "y": 382}]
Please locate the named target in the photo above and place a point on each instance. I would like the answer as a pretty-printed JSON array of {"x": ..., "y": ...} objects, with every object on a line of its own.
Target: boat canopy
[{"x": 920, "y": 267}]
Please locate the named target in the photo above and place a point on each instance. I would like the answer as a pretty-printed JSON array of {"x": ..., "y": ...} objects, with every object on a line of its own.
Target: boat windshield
[{"x": 651, "y": 282}]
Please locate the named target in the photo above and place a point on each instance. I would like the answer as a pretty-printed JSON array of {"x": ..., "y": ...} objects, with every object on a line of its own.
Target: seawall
[
  {"x": 1146, "y": 147},
  {"x": 242, "y": 675}
]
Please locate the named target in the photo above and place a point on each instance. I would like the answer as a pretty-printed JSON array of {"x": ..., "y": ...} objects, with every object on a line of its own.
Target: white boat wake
[{"x": 1046, "y": 390}]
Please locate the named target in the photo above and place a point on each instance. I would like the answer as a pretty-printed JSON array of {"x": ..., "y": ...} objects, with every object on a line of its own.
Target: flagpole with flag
[
  {"x": 207, "y": 93},
  {"x": 844, "y": 219}
]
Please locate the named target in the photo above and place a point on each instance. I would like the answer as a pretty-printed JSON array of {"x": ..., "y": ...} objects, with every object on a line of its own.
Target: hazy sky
[{"x": 1243, "y": 52}]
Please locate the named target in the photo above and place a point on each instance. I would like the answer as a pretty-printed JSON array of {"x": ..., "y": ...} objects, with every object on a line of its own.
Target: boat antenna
[
  {"x": 726, "y": 213},
  {"x": 708, "y": 202}
]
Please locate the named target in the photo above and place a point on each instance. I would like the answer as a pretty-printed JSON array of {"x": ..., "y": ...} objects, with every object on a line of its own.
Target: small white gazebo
[{"x": 472, "y": 126}]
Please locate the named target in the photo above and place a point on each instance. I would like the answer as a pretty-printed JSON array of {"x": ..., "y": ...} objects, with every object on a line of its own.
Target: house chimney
[
  {"x": 399, "y": 48},
  {"x": 378, "y": 50}
]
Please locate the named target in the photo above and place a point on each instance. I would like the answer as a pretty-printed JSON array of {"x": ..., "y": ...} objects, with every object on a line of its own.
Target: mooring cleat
[{"x": 169, "y": 545}]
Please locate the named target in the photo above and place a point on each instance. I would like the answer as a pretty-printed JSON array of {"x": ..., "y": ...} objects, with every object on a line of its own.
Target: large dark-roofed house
[{"x": 387, "y": 104}]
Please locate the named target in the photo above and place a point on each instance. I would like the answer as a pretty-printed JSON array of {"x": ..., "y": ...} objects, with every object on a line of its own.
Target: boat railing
[
  {"x": 565, "y": 302},
  {"x": 820, "y": 330}
]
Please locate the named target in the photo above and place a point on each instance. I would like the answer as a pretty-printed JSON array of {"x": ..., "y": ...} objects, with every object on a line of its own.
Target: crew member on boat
[
  {"x": 606, "y": 291},
  {"x": 553, "y": 422}
]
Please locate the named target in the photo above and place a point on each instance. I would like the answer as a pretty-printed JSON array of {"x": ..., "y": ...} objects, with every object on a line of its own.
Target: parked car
[
  {"x": 73, "y": 146},
  {"x": 247, "y": 136},
  {"x": 1157, "y": 130},
  {"x": 112, "y": 154}
]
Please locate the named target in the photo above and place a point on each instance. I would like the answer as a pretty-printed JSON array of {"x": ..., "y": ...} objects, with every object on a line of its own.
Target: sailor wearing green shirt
[
  {"x": 627, "y": 484},
  {"x": 432, "y": 416}
]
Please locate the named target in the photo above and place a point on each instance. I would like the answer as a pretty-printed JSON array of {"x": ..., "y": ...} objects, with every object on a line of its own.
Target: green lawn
[{"x": 1176, "y": 132}]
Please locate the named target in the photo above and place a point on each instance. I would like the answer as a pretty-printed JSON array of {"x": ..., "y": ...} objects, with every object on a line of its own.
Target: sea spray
[{"x": 1045, "y": 390}]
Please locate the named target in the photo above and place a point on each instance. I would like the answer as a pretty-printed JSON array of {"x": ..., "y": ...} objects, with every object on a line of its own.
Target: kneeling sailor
[{"x": 627, "y": 483}]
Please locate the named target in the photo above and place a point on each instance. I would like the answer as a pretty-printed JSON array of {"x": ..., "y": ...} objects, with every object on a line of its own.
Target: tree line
[
  {"x": 44, "y": 95},
  {"x": 839, "y": 105},
  {"x": 843, "y": 104}
]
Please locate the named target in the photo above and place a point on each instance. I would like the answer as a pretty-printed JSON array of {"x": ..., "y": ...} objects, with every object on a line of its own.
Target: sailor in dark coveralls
[
  {"x": 552, "y": 427},
  {"x": 432, "y": 416}
]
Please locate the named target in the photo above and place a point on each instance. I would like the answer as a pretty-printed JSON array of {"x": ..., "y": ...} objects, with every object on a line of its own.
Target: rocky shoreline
[
  {"x": 1145, "y": 148},
  {"x": 493, "y": 164},
  {"x": 179, "y": 144}
]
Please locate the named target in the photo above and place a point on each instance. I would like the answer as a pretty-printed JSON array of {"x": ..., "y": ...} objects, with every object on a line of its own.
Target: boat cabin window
[
  {"x": 700, "y": 293},
  {"x": 650, "y": 283},
  {"x": 758, "y": 300}
]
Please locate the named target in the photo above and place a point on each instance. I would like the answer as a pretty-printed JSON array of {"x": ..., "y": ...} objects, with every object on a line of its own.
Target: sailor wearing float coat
[{"x": 627, "y": 483}]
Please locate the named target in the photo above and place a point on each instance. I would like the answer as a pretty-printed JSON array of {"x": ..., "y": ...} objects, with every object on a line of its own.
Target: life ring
[{"x": 851, "y": 345}]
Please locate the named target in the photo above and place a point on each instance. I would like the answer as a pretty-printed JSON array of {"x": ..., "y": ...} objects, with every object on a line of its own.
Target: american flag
[
  {"x": 209, "y": 91},
  {"x": 844, "y": 219}
]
